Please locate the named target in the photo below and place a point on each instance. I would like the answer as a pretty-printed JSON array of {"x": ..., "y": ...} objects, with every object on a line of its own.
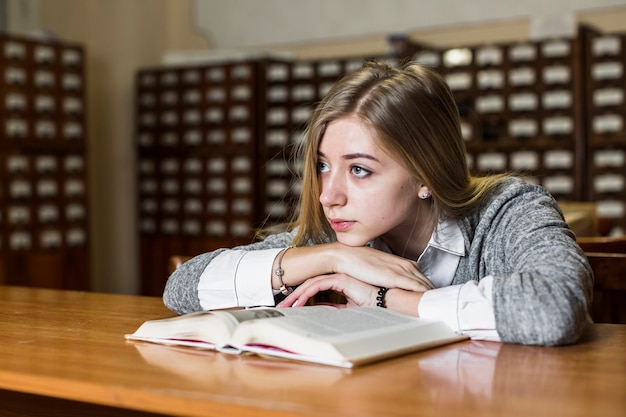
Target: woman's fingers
[
  {"x": 381, "y": 269},
  {"x": 355, "y": 291}
]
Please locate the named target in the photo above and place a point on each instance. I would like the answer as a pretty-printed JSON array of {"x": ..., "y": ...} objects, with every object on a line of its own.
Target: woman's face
[{"x": 364, "y": 192}]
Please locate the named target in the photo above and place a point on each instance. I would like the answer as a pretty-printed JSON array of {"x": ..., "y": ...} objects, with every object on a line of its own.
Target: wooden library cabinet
[
  {"x": 520, "y": 108},
  {"x": 196, "y": 140},
  {"x": 43, "y": 177},
  {"x": 605, "y": 116}
]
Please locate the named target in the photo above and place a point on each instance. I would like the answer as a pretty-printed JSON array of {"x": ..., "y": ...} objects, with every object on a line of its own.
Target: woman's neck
[{"x": 411, "y": 245}]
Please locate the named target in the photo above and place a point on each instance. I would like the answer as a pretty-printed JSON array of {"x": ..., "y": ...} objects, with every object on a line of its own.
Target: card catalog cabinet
[
  {"x": 196, "y": 136},
  {"x": 605, "y": 114},
  {"x": 520, "y": 106},
  {"x": 43, "y": 188}
]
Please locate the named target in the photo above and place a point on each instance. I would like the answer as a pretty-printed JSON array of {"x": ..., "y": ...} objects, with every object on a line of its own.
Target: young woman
[{"x": 390, "y": 216}]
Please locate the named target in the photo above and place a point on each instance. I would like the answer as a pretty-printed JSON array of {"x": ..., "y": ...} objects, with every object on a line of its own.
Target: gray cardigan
[{"x": 542, "y": 280}]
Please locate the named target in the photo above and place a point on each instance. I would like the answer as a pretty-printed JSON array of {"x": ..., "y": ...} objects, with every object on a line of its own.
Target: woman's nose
[{"x": 333, "y": 191}]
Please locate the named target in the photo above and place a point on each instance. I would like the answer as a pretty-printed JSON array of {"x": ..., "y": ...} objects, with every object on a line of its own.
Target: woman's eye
[
  {"x": 360, "y": 172},
  {"x": 322, "y": 167}
]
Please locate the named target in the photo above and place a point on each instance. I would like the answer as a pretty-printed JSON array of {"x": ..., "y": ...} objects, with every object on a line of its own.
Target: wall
[{"x": 248, "y": 23}]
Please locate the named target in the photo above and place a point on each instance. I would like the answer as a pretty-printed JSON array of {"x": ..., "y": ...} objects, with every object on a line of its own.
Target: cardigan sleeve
[{"x": 542, "y": 283}]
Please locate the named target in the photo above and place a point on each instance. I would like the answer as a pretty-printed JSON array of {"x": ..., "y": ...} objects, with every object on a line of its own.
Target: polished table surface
[{"x": 65, "y": 351}]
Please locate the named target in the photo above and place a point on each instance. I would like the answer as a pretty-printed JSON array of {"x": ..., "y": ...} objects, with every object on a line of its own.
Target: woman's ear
[{"x": 424, "y": 192}]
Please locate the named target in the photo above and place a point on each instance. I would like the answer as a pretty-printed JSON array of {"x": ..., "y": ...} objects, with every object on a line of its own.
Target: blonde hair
[{"x": 417, "y": 121}]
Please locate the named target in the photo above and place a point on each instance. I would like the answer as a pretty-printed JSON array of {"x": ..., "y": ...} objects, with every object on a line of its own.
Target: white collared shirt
[{"x": 466, "y": 308}]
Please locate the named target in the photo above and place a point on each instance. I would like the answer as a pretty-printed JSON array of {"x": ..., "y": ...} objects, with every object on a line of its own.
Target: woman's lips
[{"x": 340, "y": 225}]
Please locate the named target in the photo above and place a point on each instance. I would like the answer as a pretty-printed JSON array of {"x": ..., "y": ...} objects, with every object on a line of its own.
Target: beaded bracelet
[
  {"x": 279, "y": 272},
  {"x": 380, "y": 299}
]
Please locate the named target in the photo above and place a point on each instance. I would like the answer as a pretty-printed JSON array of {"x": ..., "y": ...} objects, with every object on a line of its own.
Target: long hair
[{"x": 416, "y": 120}]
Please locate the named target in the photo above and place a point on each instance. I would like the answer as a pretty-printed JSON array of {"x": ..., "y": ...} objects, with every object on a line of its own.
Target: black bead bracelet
[{"x": 380, "y": 299}]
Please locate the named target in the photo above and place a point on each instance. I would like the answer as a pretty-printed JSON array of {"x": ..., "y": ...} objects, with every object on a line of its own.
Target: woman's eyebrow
[{"x": 349, "y": 156}]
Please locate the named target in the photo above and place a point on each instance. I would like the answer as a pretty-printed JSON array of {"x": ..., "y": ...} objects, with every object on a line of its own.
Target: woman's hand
[
  {"x": 356, "y": 292},
  {"x": 379, "y": 268},
  {"x": 355, "y": 272}
]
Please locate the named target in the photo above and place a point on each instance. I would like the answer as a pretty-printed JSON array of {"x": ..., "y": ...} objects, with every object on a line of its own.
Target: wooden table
[{"x": 63, "y": 353}]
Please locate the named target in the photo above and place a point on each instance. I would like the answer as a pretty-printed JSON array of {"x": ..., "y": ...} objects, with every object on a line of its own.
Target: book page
[
  {"x": 203, "y": 329},
  {"x": 325, "y": 321},
  {"x": 239, "y": 316},
  {"x": 341, "y": 337}
]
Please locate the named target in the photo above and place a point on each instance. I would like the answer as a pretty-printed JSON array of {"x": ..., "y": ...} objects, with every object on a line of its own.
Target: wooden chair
[
  {"x": 613, "y": 244},
  {"x": 607, "y": 257},
  {"x": 175, "y": 261},
  {"x": 609, "y": 296}
]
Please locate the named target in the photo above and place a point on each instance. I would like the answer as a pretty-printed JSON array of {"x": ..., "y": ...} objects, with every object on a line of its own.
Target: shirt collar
[{"x": 447, "y": 237}]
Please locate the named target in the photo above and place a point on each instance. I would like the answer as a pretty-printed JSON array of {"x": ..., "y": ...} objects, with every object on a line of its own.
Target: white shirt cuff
[
  {"x": 466, "y": 308},
  {"x": 238, "y": 278},
  {"x": 441, "y": 304}
]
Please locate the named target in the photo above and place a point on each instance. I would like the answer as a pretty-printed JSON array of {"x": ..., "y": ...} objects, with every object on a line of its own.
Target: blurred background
[{"x": 131, "y": 54}]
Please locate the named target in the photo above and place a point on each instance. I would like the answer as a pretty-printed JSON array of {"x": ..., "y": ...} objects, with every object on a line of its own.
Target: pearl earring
[{"x": 425, "y": 195}]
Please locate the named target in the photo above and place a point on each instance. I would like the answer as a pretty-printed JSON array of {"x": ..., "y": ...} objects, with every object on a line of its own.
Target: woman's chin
[{"x": 352, "y": 240}]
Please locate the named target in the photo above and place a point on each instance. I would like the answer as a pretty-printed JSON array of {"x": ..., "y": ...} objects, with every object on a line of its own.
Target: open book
[{"x": 322, "y": 334}]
